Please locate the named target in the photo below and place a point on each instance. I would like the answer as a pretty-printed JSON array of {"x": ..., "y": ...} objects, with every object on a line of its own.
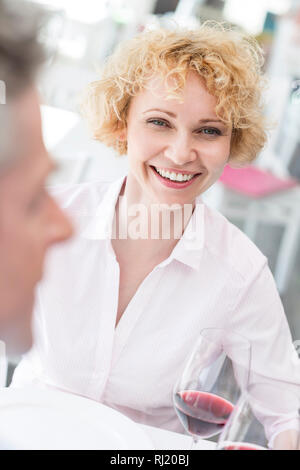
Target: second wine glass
[{"x": 267, "y": 417}]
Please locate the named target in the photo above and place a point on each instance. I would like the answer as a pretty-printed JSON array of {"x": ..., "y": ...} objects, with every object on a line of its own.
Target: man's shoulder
[{"x": 231, "y": 246}]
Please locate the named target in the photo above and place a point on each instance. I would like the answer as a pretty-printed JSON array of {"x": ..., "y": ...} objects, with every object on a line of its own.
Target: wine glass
[
  {"x": 215, "y": 374},
  {"x": 266, "y": 417}
]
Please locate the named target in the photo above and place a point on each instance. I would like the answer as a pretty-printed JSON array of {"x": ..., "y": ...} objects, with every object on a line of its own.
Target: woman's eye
[
  {"x": 158, "y": 122},
  {"x": 210, "y": 131}
]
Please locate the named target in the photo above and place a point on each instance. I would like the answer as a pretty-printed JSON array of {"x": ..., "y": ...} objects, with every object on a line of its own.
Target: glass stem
[{"x": 194, "y": 443}]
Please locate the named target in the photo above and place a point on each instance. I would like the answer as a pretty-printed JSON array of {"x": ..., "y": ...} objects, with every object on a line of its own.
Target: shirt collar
[
  {"x": 188, "y": 250},
  {"x": 100, "y": 227}
]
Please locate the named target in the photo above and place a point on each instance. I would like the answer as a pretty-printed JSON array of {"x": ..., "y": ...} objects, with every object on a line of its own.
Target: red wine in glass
[
  {"x": 240, "y": 446},
  {"x": 202, "y": 414}
]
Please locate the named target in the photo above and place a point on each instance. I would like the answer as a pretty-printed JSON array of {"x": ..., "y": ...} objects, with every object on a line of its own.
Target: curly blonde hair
[{"x": 228, "y": 61}]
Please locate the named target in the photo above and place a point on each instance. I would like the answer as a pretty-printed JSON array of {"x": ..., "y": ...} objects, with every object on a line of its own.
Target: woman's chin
[{"x": 170, "y": 200}]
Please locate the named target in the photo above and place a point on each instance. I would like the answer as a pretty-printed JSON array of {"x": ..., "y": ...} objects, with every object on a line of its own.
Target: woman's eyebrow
[
  {"x": 161, "y": 111},
  {"x": 203, "y": 121},
  {"x": 210, "y": 120}
]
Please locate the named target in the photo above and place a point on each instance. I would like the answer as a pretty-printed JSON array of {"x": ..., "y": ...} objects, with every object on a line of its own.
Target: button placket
[{"x": 134, "y": 311}]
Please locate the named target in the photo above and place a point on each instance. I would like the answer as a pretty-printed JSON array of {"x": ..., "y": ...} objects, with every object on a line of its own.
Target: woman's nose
[{"x": 180, "y": 150}]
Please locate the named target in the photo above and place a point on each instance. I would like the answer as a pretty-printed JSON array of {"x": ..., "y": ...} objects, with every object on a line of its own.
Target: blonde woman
[{"x": 151, "y": 265}]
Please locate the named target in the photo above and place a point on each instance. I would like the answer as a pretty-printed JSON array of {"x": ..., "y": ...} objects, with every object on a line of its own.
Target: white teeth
[{"x": 174, "y": 176}]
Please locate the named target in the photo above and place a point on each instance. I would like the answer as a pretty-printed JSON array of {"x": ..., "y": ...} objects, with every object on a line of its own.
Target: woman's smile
[{"x": 173, "y": 178}]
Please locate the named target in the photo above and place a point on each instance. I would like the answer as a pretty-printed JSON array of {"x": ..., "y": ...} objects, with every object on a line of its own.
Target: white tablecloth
[
  {"x": 168, "y": 440},
  {"x": 34, "y": 418}
]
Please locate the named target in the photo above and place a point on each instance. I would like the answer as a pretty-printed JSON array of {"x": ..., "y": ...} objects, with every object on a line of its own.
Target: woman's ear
[{"x": 122, "y": 135}]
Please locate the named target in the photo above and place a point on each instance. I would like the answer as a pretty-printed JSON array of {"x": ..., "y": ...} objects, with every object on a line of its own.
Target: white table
[
  {"x": 168, "y": 440},
  {"x": 47, "y": 418}
]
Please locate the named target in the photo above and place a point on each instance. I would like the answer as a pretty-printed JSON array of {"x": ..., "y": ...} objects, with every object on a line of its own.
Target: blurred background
[{"x": 263, "y": 200}]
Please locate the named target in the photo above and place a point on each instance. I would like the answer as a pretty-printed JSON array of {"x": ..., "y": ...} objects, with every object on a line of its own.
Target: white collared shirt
[{"x": 219, "y": 278}]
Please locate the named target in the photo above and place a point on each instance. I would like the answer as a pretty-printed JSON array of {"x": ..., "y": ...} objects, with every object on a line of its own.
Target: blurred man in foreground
[{"x": 30, "y": 220}]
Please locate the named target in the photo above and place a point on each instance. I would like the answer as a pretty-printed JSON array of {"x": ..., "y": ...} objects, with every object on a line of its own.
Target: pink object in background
[{"x": 254, "y": 182}]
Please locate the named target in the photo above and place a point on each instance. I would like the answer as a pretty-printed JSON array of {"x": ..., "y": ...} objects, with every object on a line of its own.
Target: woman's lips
[{"x": 175, "y": 184}]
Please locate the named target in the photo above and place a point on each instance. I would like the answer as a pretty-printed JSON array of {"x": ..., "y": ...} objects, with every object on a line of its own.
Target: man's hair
[
  {"x": 20, "y": 56},
  {"x": 228, "y": 61}
]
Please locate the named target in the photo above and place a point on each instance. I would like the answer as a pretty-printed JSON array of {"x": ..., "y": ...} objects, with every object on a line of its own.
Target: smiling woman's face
[{"x": 176, "y": 149}]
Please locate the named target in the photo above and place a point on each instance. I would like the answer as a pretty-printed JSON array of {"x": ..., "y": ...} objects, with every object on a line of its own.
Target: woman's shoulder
[{"x": 230, "y": 245}]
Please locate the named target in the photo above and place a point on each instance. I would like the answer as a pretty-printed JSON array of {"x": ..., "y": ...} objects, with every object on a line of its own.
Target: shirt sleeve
[{"x": 259, "y": 316}]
